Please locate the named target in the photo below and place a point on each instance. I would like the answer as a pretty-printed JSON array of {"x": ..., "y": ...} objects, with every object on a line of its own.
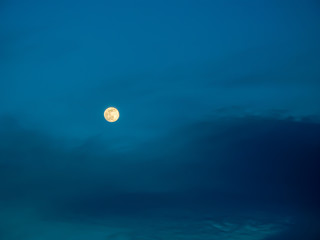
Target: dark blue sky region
[{"x": 218, "y": 100}]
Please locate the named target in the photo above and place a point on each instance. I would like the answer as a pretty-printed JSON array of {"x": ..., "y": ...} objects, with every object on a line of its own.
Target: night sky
[{"x": 219, "y": 127}]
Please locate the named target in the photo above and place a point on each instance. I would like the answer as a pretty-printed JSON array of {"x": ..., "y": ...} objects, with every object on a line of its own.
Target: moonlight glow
[{"x": 111, "y": 114}]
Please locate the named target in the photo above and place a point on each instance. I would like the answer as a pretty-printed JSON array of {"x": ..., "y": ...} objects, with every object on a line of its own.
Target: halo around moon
[{"x": 111, "y": 114}]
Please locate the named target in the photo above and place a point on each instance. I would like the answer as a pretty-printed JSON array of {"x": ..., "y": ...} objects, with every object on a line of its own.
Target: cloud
[
  {"x": 240, "y": 155},
  {"x": 243, "y": 164}
]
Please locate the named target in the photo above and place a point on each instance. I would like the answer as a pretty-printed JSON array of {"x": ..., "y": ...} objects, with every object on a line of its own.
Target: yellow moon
[{"x": 111, "y": 114}]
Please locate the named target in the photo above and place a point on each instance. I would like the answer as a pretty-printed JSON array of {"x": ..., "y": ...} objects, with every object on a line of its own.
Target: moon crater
[{"x": 111, "y": 114}]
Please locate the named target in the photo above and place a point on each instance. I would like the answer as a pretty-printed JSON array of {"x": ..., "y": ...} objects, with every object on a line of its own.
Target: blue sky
[
  {"x": 163, "y": 64},
  {"x": 218, "y": 100},
  {"x": 169, "y": 67}
]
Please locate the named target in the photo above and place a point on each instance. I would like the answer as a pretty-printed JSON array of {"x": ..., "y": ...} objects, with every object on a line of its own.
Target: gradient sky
[
  {"x": 214, "y": 96},
  {"x": 162, "y": 63}
]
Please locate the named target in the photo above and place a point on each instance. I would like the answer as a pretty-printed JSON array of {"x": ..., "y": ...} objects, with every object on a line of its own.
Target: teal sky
[
  {"x": 219, "y": 113},
  {"x": 162, "y": 63}
]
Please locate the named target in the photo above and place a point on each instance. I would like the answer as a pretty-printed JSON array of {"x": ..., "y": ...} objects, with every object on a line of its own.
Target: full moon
[{"x": 111, "y": 114}]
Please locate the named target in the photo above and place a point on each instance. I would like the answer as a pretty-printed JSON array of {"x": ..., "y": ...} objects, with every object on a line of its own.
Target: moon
[{"x": 111, "y": 114}]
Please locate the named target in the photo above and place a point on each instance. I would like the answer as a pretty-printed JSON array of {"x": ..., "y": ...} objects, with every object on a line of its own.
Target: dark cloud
[{"x": 256, "y": 159}]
